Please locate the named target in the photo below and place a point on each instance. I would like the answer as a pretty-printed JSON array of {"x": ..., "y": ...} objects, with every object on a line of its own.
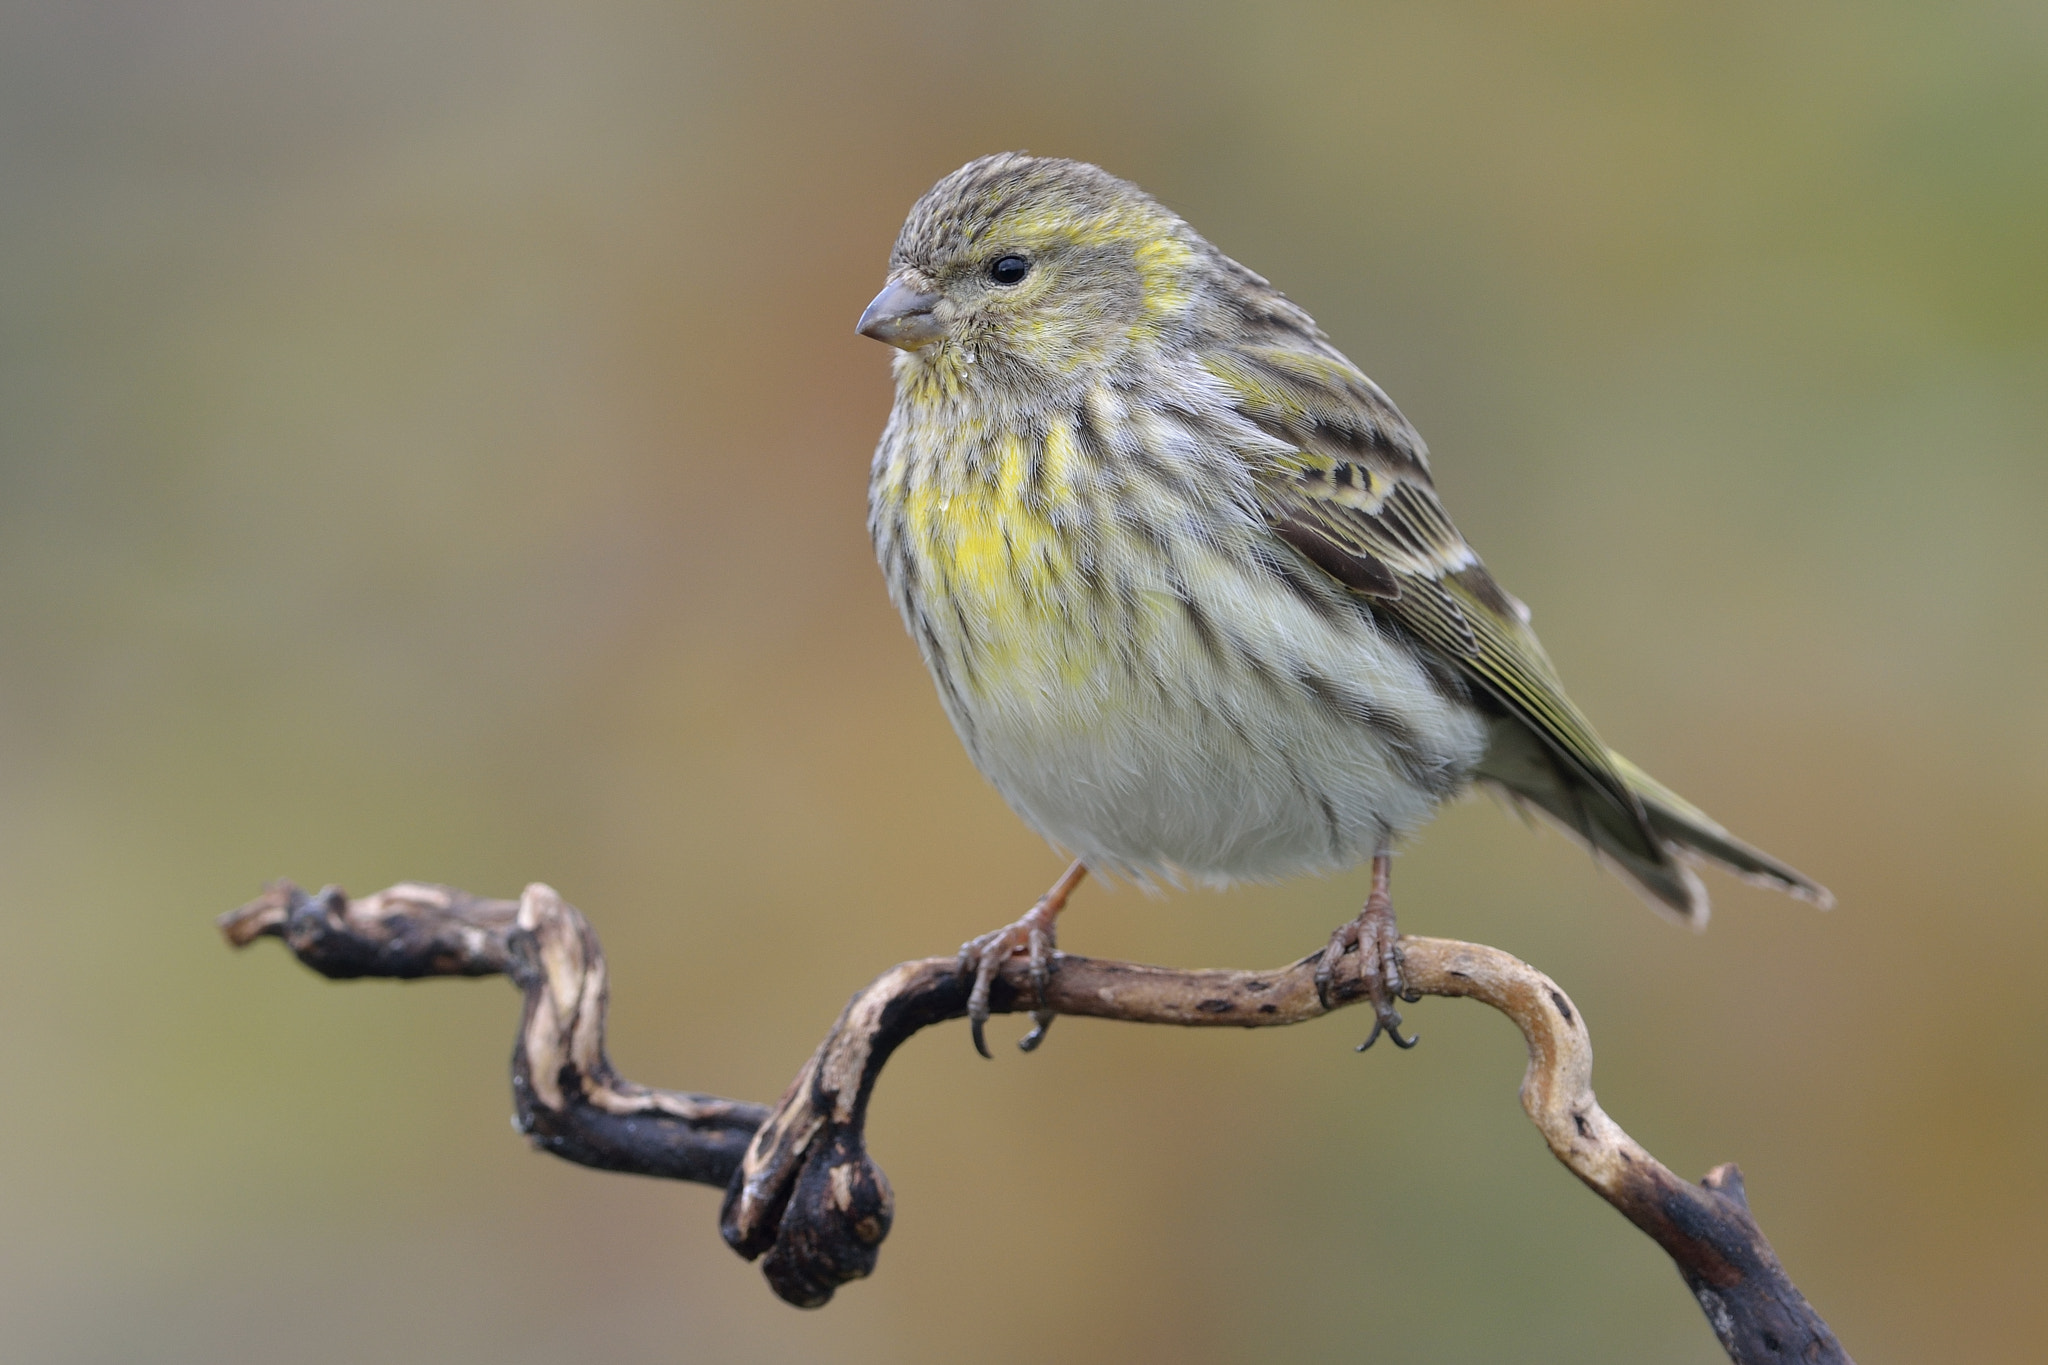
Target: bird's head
[{"x": 1035, "y": 266}]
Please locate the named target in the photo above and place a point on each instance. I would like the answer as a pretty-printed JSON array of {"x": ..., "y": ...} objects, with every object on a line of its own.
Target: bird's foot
[
  {"x": 1376, "y": 938},
  {"x": 985, "y": 956},
  {"x": 1034, "y": 936}
]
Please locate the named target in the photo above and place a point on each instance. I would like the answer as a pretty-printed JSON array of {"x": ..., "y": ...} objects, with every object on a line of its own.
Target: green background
[{"x": 433, "y": 443}]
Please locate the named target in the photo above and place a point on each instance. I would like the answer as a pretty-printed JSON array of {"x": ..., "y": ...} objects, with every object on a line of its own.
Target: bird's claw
[
  {"x": 1377, "y": 940},
  {"x": 1389, "y": 1023},
  {"x": 985, "y": 956},
  {"x": 1041, "y": 1020}
]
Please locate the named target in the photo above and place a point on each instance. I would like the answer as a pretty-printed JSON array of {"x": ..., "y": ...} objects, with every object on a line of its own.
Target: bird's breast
[
  {"x": 1147, "y": 677},
  {"x": 989, "y": 540}
]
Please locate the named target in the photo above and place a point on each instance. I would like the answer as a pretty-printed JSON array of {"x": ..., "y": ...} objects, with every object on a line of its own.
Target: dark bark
[
  {"x": 565, "y": 1095},
  {"x": 802, "y": 1194}
]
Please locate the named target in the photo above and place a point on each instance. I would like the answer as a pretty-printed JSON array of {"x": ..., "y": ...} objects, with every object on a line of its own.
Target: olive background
[{"x": 433, "y": 444}]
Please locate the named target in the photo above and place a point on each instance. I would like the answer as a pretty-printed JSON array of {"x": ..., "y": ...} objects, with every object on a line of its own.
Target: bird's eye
[{"x": 1009, "y": 269}]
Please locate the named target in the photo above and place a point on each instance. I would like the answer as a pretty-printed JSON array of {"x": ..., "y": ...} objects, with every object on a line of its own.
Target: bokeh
[{"x": 433, "y": 445}]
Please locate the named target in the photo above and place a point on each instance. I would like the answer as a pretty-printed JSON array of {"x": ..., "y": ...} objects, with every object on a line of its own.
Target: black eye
[{"x": 1009, "y": 270}]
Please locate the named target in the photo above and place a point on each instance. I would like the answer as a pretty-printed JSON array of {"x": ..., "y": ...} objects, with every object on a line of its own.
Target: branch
[
  {"x": 802, "y": 1194},
  {"x": 565, "y": 1095}
]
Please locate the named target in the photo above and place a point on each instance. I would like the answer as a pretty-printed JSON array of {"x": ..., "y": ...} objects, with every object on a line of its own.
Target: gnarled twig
[
  {"x": 565, "y": 1094},
  {"x": 801, "y": 1192}
]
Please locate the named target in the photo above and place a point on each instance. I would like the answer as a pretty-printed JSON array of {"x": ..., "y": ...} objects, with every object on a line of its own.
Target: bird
[{"x": 1183, "y": 580}]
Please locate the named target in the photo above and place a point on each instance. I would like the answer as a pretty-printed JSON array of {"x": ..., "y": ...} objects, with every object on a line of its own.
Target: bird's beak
[{"x": 902, "y": 317}]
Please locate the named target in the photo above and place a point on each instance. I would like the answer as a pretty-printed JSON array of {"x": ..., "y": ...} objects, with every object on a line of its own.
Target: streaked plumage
[{"x": 1179, "y": 569}]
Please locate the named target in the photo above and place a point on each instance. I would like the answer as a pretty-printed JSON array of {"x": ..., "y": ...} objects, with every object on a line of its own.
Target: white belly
[{"x": 1288, "y": 742}]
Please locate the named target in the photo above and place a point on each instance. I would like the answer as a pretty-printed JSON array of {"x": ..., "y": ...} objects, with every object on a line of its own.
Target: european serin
[{"x": 1182, "y": 578}]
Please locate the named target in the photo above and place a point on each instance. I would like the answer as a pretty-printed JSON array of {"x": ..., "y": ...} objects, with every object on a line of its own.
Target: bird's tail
[{"x": 1679, "y": 834}]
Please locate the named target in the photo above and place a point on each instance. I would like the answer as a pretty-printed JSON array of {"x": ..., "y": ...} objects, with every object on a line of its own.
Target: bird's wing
[{"x": 1353, "y": 495}]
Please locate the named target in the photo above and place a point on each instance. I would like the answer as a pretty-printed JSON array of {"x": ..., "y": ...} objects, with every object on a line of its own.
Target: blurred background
[{"x": 433, "y": 444}]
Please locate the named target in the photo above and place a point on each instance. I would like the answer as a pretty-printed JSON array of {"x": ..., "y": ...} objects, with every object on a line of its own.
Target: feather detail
[{"x": 1373, "y": 522}]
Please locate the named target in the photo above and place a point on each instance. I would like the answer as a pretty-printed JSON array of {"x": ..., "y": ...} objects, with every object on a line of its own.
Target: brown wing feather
[{"x": 1353, "y": 496}]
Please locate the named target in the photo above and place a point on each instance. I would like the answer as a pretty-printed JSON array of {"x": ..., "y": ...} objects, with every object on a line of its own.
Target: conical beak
[{"x": 902, "y": 316}]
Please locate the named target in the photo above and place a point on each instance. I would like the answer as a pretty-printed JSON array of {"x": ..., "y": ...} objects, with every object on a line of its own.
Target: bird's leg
[
  {"x": 1032, "y": 934},
  {"x": 1378, "y": 941}
]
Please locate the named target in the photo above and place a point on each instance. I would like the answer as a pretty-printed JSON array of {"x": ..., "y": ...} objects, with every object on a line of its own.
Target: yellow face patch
[
  {"x": 1163, "y": 263},
  {"x": 1056, "y": 317}
]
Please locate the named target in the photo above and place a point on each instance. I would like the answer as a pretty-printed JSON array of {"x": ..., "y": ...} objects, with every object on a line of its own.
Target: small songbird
[{"x": 1185, "y": 584}]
